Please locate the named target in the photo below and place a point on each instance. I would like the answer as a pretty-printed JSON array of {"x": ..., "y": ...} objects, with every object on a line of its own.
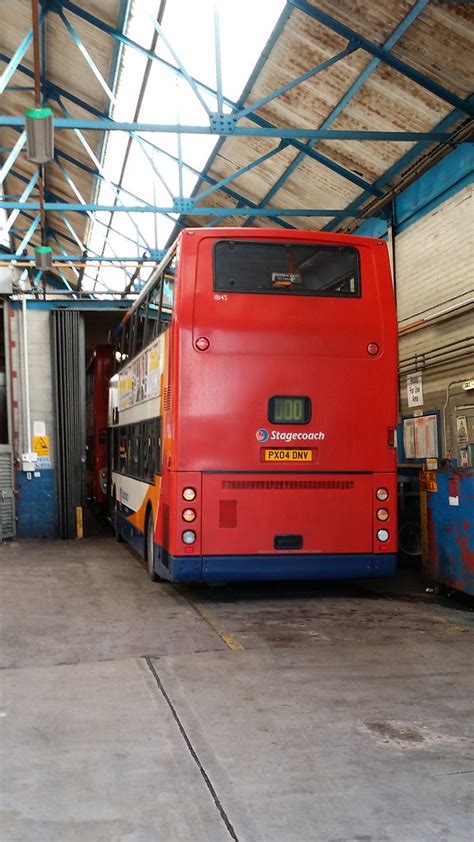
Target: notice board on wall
[{"x": 420, "y": 437}]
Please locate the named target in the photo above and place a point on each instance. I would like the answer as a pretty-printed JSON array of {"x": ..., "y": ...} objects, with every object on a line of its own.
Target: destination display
[{"x": 288, "y": 409}]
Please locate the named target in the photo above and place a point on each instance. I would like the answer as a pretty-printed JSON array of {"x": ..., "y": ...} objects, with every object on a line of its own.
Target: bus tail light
[
  {"x": 373, "y": 349},
  {"x": 189, "y": 515},
  {"x": 189, "y": 494},
  {"x": 382, "y": 514},
  {"x": 188, "y": 536},
  {"x": 382, "y": 494},
  {"x": 383, "y": 535}
]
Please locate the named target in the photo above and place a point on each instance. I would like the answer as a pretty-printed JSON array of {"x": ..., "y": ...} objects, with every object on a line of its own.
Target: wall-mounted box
[{"x": 6, "y": 280}]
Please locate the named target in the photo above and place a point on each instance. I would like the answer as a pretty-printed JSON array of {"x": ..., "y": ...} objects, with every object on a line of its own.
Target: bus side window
[
  {"x": 167, "y": 294},
  {"x": 115, "y": 454},
  {"x": 148, "y": 451},
  {"x": 136, "y": 440},
  {"x": 123, "y": 450},
  {"x": 146, "y": 322},
  {"x": 153, "y": 312}
]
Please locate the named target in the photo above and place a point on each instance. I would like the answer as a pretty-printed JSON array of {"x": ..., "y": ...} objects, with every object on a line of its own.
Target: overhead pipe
[
  {"x": 37, "y": 86},
  {"x": 438, "y": 363},
  {"x": 27, "y": 375},
  {"x": 435, "y": 352},
  {"x": 429, "y": 319}
]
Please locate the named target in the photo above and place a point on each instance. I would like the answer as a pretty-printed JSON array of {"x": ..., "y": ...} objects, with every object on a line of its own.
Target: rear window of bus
[{"x": 286, "y": 268}]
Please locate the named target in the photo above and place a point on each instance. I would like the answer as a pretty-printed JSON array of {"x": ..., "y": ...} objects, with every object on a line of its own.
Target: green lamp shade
[
  {"x": 43, "y": 257},
  {"x": 39, "y": 126}
]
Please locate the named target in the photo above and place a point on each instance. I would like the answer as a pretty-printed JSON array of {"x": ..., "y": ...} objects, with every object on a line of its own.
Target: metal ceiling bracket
[
  {"x": 222, "y": 123},
  {"x": 181, "y": 205}
]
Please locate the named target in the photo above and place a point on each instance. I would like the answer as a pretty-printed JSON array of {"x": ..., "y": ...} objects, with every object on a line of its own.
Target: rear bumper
[{"x": 233, "y": 568}]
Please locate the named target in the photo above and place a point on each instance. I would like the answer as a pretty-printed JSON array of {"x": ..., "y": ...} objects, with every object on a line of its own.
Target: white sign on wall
[
  {"x": 461, "y": 430},
  {"x": 415, "y": 389}
]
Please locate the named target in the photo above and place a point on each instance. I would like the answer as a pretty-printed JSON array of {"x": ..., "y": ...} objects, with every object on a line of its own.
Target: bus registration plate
[{"x": 290, "y": 454}]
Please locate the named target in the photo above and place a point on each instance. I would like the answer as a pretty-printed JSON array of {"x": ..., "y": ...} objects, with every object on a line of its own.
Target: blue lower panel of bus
[
  {"x": 245, "y": 568},
  {"x": 235, "y": 568}
]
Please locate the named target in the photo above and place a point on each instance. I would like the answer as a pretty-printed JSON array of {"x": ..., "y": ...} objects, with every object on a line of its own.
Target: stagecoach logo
[{"x": 262, "y": 435}]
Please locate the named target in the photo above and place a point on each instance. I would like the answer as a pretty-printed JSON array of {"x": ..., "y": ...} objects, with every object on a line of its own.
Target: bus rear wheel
[{"x": 150, "y": 548}]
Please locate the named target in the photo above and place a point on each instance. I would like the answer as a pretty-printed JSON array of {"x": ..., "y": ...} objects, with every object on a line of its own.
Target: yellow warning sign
[
  {"x": 428, "y": 480},
  {"x": 41, "y": 445}
]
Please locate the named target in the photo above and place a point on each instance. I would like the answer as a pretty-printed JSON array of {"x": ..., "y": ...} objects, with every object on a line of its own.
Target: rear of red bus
[{"x": 281, "y": 461}]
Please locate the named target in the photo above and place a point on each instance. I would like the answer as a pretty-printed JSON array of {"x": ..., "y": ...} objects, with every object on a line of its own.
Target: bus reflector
[
  {"x": 202, "y": 344},
  {"x": 373, "y": 349}
]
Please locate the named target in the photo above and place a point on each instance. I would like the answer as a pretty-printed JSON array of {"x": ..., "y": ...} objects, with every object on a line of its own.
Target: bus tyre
[
  {"x": 409, "y": 538},
  {"x": 150, "y": 548}
]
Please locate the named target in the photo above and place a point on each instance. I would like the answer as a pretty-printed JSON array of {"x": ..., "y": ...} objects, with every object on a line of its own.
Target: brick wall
[
  {"x": 435, "y": 272},
  {"x": 435, "y": 257}
]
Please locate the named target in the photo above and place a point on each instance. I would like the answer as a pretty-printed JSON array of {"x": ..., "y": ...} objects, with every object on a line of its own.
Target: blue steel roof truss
[{"x": 221, "y": 123}]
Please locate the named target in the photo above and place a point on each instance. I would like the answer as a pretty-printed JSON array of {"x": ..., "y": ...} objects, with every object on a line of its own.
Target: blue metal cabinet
[{"x": 450, "y": 529}]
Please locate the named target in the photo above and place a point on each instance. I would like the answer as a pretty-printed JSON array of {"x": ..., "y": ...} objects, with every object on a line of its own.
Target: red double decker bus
[
  {"x": 98, "y": 373},
  {"x": 254, "y": 413}
]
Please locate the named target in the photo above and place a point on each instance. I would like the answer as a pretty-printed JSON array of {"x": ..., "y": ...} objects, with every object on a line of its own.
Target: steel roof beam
[
  {"x": 13, "y": 155},
  {"x": 81, "y": 258},
  {"x": 85, "y": 52},
  {"x": 295, "y": 82},
  {"x": 384, "y": 55},
  {"x": 15, "y": 60},
  {"x": 194, "y": 211},
  {"x": 27, "y": 237},
  {"x": 18, "y": 206},
  {"x": 281, "y": 133}
]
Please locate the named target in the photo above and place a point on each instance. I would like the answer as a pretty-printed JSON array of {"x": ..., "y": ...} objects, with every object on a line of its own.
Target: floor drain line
[{"x": 192, "y": 751}]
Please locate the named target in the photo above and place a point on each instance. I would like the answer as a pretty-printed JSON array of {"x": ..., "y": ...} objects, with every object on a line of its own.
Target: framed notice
[
  {"x": 419, "y": 437},
  {"x": 426, "y": 436}
]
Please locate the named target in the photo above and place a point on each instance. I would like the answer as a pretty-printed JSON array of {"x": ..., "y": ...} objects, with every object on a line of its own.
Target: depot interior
[{"x": 349, "y": 698}]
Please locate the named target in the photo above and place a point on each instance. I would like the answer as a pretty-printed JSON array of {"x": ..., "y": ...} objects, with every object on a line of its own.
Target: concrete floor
[{"x": 281, "y": 713}]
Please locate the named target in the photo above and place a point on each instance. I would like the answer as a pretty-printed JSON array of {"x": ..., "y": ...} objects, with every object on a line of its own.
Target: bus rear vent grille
[
  {"x": 167, "y": 398},
  {"x": 288, "y": 484}
]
